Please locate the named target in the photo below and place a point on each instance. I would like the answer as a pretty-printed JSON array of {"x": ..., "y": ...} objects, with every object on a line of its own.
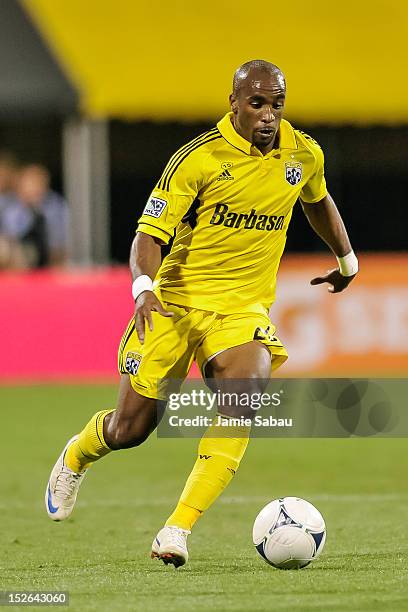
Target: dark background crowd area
[
  {"x": 34, "y": 218},
  {"x": 365, "y": 172}
]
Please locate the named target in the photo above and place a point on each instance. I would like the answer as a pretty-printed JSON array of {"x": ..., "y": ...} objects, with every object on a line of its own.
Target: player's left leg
[{"x": 222, "y": 447}]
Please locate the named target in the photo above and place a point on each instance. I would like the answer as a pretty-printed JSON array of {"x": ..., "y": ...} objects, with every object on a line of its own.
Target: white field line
[
  {"x": 227, "y": 500},
  {"x": 249, "y": 499}
]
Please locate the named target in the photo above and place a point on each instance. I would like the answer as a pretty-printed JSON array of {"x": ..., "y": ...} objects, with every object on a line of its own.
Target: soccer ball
[{"x": 289, "y": 533}]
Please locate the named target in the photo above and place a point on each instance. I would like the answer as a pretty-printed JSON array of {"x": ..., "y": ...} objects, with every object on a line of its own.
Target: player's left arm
[{"x": 326, "y": 221}]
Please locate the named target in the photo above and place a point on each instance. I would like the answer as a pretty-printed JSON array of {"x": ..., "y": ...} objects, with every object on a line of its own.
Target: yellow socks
[
  {"x": 90, "y": 446},
  {"x": 219, "y": 454},
  {"x": 184, "y": 516}
]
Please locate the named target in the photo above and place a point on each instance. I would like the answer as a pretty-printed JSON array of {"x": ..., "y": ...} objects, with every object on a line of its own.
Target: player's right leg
[
  {"x": 129, "y": 425},
  {"x": 166, "y": 351}
]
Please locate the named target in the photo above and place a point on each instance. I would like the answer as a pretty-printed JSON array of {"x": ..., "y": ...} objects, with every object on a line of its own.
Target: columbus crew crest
[
  {"x": 132, "y": 362},
  {"x": 293, "y": 172}
]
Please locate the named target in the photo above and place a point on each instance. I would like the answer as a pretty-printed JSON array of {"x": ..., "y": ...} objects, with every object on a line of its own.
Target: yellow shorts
[{"x": 169, "y": 350}]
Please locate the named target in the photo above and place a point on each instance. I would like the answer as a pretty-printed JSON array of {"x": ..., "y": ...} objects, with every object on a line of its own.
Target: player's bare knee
[
  {"x": 239, "y": 382},
  {"x": 125, "y": 434},
  {"x": 133, "y": 420},
  {"x": 239, "y": 395}
]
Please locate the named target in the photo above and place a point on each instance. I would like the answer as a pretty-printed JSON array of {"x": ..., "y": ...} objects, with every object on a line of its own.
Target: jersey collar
[{"x": 287, "y": 138}]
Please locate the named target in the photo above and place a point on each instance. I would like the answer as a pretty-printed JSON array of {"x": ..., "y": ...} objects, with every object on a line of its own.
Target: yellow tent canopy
[{"x": 174, "y": 59}]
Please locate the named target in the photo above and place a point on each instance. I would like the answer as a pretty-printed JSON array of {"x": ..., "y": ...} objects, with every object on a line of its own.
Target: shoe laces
[
  {"x": 178, "y": 536},
  {"x": 66, "y": 483}
]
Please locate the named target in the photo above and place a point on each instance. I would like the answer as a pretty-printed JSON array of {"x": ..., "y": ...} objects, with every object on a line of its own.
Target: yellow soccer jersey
[{"x": 230, "y": 208}]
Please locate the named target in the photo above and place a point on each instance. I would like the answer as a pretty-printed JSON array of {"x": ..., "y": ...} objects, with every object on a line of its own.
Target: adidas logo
[{"x": 225, "y": 176}]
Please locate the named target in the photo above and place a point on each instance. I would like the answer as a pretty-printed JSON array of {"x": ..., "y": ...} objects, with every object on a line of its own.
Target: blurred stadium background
[{"x": 102, "y": 93}]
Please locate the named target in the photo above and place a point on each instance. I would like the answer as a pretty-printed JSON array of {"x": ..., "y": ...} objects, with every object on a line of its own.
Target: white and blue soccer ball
[{"x": 289, "y": 533}]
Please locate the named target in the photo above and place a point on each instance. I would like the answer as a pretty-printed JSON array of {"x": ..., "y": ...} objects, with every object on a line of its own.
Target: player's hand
[
  {"x": 337, "y": 281},
  {"x": 145, "y": 303}
]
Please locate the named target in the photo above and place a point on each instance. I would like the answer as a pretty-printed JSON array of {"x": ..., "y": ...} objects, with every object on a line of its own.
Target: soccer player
[{"x": 228, "y": 196}]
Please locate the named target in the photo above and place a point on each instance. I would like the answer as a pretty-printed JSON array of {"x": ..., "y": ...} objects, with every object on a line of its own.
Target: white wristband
[
  {"x": 140, "y": 284},
  {"x": 348, "y": 264}
]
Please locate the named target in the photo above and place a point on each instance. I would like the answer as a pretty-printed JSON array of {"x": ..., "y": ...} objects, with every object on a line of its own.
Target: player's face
[{"x": 258, "y": 108}]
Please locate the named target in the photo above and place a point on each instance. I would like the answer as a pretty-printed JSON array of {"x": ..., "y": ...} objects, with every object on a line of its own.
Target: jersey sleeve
[
  {"x": 172, "y": 196},
  {"x": 315, "y": 189}
]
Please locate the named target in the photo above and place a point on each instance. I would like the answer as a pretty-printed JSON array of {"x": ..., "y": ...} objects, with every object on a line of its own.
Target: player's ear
[{"x": 233, "y": 103}]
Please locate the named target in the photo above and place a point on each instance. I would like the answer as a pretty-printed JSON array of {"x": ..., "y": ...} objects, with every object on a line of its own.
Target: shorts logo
[
  {"x": 155, "y": 207},
  {"x": 132, "y": 362},
  {"x": 261, "y": 333},
  {"x": 293, "y": 172},
  {"x": 264, "y": 334}
]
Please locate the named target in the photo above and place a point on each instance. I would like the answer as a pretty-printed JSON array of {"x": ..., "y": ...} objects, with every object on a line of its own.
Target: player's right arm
[
  {"x": 171, "y": 198},
  {"x": 145, "y": 260}
]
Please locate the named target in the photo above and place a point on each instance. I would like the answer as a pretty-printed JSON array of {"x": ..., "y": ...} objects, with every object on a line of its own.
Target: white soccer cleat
[
  {"x": 62, "y": 488},
  {"x": 170, "y": 545}
]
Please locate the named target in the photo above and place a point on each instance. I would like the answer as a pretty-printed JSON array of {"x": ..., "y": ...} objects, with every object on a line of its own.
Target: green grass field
[{"x": 101, "y": 555}]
